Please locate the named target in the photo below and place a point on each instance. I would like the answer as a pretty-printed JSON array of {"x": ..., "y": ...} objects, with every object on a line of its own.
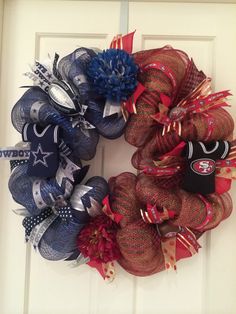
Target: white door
[{"x": 205, "y": 284}]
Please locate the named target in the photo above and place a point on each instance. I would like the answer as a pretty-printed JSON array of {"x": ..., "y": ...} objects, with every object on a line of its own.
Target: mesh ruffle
[
  {"x": 139, "y": 242},
  {"x": 144, "y": 132}
]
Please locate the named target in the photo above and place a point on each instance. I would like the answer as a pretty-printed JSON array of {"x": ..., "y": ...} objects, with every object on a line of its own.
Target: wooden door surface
[{"x": 205, "y": 284}]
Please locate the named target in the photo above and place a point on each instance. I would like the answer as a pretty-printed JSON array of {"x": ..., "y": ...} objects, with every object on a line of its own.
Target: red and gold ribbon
[
  {"x": 182, "y": 244},
  {"x": 109, "y": 271},
  {"x": 198, "y": 101},
  {"x": 209, "y": 214},
  {"x": 124, "y": 42},
  {"x": 168, "y": 246},
  {"x": 108, "y": 211},
  {"x": 106, "y": 270},
  {"x": 129, "y": 105},
  {"x": 154, "y": 216},
  {"x": 188, "y": 239}
]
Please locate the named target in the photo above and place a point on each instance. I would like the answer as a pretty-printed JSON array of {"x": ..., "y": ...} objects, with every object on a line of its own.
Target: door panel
[
  {"x": 207, "y": 32},
  {"x": 29, "y": 283}
]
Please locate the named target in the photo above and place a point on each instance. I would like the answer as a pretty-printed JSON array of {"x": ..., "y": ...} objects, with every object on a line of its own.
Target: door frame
[{"x": 1, "y": 28}]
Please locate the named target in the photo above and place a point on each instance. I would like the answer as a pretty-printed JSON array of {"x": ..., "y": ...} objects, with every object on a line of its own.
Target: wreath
[{"x": 185, "y": 158}]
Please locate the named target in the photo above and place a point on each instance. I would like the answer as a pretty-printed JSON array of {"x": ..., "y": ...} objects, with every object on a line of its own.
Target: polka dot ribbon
[
  {"x": 62, "y": 209},
  {"x": 65, "y": 213},
  {"x": 184, "y": 241},
  {"x": 16, "y": 163},
  {"x": 109, "y": 271},
  {"x": 169, "y": 251},
  {"x": 30, "y": 222},
  {"x": 106, "y": 270}
]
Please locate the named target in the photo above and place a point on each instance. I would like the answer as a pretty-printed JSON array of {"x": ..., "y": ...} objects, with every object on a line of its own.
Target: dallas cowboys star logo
[
  {"x": 40, "y": 156},
  {"x": 49, "y": 76}
]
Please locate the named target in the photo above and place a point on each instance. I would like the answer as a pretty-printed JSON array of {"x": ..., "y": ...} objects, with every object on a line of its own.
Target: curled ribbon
[{"x": 198, "y": 101}]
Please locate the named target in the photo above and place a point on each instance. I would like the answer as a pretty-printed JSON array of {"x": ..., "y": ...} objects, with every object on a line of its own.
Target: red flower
[{"x": 97, "y": 240}]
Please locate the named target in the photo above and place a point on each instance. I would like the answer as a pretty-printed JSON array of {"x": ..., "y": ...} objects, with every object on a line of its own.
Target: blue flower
[{"x": 114, "y": 74}]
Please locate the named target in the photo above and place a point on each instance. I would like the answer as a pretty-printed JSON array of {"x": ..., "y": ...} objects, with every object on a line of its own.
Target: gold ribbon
[
  {"x": 168, "y": 246},
  {"x": 109, "y": 271}
]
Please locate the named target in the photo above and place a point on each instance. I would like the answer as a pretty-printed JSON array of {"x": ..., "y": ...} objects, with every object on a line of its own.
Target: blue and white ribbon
[{"x": 14, "y": 153}]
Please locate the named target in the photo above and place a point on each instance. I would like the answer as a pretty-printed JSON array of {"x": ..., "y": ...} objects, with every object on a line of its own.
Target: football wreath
[{"x": 185, "y": 157}]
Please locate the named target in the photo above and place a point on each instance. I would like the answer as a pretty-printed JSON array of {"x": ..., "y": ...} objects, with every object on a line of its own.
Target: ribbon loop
[
  {"x": 153, "y": 216},
  {"x": 123, "y": 42},
  {"x": 108, "y": 211}
]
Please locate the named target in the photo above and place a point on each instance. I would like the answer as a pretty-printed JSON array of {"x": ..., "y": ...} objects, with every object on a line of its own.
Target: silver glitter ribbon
[
  {"x": 42, "y": 74},
  {"x": 34, "y": 110},
  {"x": 80, "y": 260},
  {"x": 83, "y": 110},
  {"x": 75, "y": 200},
  {"x": 111, "y": 107},
  {"x": 80, "y": 122},
  {"x": 39, "y": 230},
  {"x": 65, "y": 172},
  {"x": 95, "y": 209},
  {"x": 21, "y": 212},
  {"x": 36, "y": 190}
]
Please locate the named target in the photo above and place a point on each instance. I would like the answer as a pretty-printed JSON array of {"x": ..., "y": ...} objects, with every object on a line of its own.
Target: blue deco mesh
[
  {"x": 110, "y": 127},
  {"x": 73, "y": 68},
  {"x": 84, "y": 145},
  {"x": 21, "y": 112},
  {"x": 99, "y": 190},
  {"x": 21, "y": 186},
  {"x": 59, "y": 241}
]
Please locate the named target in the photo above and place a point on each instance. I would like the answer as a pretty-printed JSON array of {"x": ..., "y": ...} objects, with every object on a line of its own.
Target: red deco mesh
[
  {"x": 223, "y": 207},
  {"x": 139, "y": 243},
  {"x": 144, "y": 132},
  {"x": 226, "y": 203},
  {"x": 189, "y": 208},
  {"x": 141, "y": 125},
  {"x": 140, "y": 249},
  {"x": 148, "y": 192},
  {"x": 124, "y": 200}
]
